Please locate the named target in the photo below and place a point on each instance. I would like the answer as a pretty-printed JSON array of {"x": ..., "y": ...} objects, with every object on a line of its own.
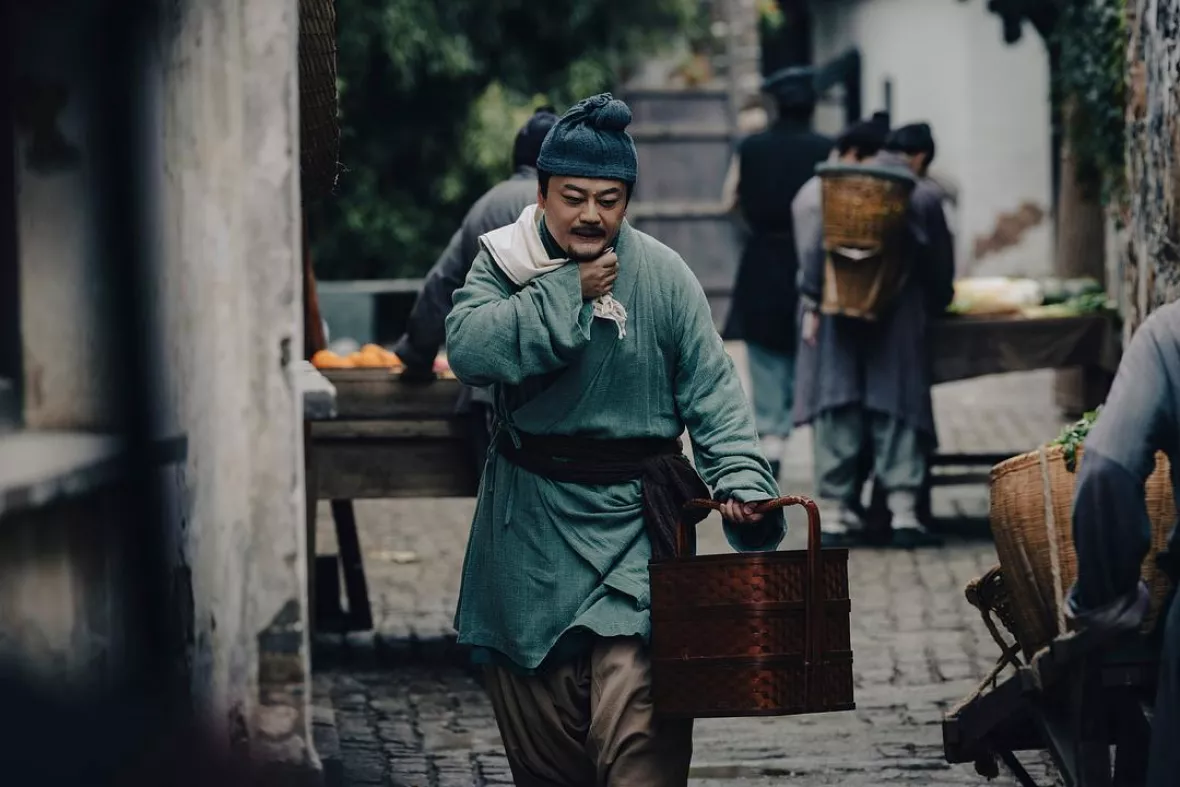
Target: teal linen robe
[{"x": 544, "y": 558}]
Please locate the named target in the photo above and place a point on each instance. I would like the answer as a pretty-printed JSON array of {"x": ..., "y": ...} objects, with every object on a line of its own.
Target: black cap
[
  {"x": 867, "y": 136},
  {"x": 528, "y": 140},
  {"x": 912, "y": 139},
  {"x": 794, "y": 86}
]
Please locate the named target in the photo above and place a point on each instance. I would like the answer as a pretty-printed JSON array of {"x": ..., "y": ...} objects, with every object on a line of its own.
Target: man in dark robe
[
  {"x": 1111, "y": 529},
  {"x": 498, "y": 207},
  {"x": 774, "y": 164},
  {"x": 866, "y": 385}
]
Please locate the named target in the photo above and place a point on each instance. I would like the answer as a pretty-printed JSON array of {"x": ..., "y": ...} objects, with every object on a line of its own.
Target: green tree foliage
[
  {"x": 1091, "y": 81},
  {"x": 431, "y": 94}
]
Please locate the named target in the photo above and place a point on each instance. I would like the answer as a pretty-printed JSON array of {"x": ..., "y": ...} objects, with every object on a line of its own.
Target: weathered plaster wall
[
  {"x": 1151, "y": 258},
  {"x": 987, "y": 103},
  {"x": 222, "y": 158},
  {"x": 60, "y": 598},
  {"x": 68, "y": 374},
  {"x": 230, "y": 314}
]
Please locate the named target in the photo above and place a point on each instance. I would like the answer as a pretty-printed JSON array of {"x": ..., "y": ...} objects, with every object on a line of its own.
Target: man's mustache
[{"x": 590, "y": 232}]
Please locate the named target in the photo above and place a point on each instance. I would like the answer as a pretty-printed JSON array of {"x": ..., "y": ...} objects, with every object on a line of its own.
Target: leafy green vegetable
[
  {"x": 1090, "y": 91},
  {"x": 1091, "y": 302},
  {"x": 1073, "y": 436}
]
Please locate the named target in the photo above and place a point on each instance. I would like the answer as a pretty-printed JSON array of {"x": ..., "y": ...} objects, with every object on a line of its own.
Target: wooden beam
[
  {"x": 678, "y": 211},
  {"x": 452, "y": 429},
  {"x": 379, "y": 469},
  {"x": 679, "y": 133}
]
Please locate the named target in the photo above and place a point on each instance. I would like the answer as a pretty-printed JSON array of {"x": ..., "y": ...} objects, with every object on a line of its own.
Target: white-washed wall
[{"x": 988, "y": 105}]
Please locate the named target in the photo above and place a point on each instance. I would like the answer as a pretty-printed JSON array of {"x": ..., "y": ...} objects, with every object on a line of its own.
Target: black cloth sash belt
[{"x": 668, "y": 479}]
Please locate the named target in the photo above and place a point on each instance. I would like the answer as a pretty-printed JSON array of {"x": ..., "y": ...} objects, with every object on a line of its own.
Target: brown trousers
[{"x": 589, "y": 723}]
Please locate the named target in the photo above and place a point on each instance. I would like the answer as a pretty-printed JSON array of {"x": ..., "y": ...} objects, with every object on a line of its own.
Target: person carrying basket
[
  {"x": 599, "y": 347},
  {"x": 864, "y": 383}
]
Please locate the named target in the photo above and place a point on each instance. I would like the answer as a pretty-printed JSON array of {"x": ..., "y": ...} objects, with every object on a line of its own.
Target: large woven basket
[
  {"x": 864, "y": 218},
  {"x": 319, "y": 126},
  {"x": 1031, "y": 520},
  {"x": 764, "y": 634}
]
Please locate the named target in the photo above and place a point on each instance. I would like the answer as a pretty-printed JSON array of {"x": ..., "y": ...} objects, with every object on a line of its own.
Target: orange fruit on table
[
  {"x": 372, "y": 355},
  {"x": 326, "y": 359}
]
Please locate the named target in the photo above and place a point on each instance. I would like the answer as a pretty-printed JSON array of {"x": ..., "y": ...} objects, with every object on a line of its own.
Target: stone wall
[
  {"x": 1150, "y": 259},
  {"x": 747, "y": 52}
]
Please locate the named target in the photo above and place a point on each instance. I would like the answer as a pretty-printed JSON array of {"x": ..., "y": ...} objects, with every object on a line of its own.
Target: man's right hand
[{"x": 598, "y": 276}]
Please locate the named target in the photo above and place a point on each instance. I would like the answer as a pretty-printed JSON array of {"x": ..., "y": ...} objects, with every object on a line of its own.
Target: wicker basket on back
[
  {"x": 1031, "y": 520},
  {"x": 864, "y": 219},
  {"x": 765, "y": 634}
]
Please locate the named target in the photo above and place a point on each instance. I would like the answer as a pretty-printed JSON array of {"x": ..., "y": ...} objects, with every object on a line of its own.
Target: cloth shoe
[
  {"x": 908, "y": 532},
  {"x": 841, "y": 523}
]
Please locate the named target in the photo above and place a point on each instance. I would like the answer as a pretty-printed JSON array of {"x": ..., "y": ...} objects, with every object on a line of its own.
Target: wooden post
[{"x": 1081, "y": 252}]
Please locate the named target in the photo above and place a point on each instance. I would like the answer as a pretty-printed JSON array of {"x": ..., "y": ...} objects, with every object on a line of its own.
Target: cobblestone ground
[{"x": 919, "y": 647}]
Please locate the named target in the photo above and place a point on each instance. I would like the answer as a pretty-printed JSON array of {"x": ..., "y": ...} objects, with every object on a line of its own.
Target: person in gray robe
[
  {"x": 426, "y": 330},
  {"x": 858, "y": 143},
  {"x": 1111, "y": 529},
  {"x": 866, "y": 386}
]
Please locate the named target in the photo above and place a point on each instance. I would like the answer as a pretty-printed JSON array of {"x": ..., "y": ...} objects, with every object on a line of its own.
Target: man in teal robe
[{"x": 600, "y": 349}]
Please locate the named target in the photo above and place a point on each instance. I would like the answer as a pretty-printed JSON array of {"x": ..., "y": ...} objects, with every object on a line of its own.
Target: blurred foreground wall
[{"x": 220, "y": 145}]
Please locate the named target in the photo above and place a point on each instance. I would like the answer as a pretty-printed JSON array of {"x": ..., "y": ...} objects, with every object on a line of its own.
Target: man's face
[{"x": 584, "y": 214}]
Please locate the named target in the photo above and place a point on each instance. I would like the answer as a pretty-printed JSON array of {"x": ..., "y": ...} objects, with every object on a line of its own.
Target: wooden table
[
  {"x": 388, "y": 439},
  {"x": 967, "y": 347}
]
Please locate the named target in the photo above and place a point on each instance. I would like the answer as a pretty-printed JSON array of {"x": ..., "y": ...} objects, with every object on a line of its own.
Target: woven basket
[
  {"x": 861, "y": 286},
  {"x": 319, "y": 126},
  {"x": 864, "y": 215},
  {"x": 1031, "y": 520},
  {"x": 763, "y": 634}
]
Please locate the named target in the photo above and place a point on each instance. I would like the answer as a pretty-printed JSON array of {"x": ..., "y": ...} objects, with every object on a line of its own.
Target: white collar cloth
[{"x": 519, "y": 253}]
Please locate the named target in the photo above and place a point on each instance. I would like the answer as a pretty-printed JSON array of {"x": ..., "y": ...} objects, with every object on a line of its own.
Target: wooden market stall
[
  {"x": 388, "y": 438},
  {"x": 965, "y": 347}
]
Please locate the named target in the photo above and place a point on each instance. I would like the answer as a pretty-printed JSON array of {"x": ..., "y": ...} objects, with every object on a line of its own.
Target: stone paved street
[{"x": 408, "y": 713}]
